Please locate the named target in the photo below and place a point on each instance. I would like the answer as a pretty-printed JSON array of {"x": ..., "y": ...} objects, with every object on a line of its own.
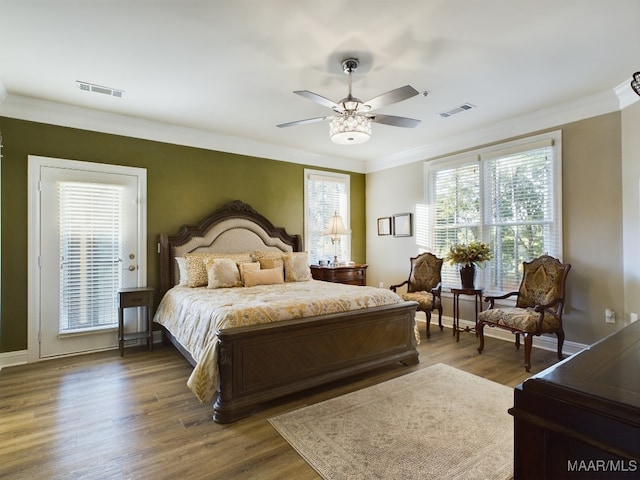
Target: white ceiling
[{"x": 221, "y": 73}]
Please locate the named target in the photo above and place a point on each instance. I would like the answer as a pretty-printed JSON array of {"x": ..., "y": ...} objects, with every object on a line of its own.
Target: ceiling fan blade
[
  {"x": 393, "y": 96},
  {"x": 314, "y": 97},
  {"x": 303, "y": 122},
  {"x": 395, "y": 121}
]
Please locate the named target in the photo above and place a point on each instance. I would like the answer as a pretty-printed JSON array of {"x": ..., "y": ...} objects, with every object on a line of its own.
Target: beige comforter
[{"x": 194, "y": 315}]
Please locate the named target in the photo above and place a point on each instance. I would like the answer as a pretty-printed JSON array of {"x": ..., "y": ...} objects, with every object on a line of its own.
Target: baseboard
[
  {"x": 20, "y": 357},
  {"x": 542, "y": 342},
  {"x": 9, "y": 359}
]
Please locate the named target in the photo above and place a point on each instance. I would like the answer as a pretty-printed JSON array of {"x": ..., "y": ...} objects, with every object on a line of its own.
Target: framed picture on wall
[
  {"x": 402, "y": 225},
  {"x": 384, "y": 226}
]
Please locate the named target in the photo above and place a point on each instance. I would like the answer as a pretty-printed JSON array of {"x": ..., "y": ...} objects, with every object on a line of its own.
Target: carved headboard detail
[{"x": 234, "y": 228}]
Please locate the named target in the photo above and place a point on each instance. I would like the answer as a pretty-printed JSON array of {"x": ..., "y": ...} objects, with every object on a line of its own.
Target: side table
[
  {"x": 477, "y": 294},
  {"x": 349, "y": 274},
  {"x": 135, "y": 297}
]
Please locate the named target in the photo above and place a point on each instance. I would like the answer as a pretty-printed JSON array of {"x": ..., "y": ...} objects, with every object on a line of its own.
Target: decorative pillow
[
  {"x": 222, "y": 273},
  {"x": 270, "y": 259},
  {"x": 183, "y": 274},
  {"x": 296, "y": 267},
  {"x": 270, "y": 276},
  {"x": 246, "y": 267},
  {"x": 197, "y": 275}
]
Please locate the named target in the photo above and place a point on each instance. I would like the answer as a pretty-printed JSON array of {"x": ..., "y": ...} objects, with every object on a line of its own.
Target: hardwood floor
[{"x": 103, "y": 416}]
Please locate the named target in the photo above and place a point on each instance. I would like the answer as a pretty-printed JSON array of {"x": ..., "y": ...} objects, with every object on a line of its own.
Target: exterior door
[{"x": 90, "y": 226}]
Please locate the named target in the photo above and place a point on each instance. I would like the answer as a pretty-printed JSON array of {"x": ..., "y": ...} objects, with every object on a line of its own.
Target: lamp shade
[
  {"x": 350, "y": 129},
  {"x": 336, "y": 226}
]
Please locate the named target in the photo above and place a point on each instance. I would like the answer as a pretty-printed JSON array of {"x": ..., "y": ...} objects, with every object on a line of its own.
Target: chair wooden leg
[
  {"x": 428, "y": 314},
  {"x": 518, "y": 341},
  {"x": 480, "y": 332},
  {"x": 528, "y": 342},
  {"x": 560, "y": 334},
  {"x": 440, "y": 317}
]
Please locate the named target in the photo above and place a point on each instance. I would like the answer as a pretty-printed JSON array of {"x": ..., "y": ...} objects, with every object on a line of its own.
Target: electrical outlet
[
  {"x": 381, "y": 284},
  {"x": 633, "y": 317},
  {"x": 609, "y": 316}
]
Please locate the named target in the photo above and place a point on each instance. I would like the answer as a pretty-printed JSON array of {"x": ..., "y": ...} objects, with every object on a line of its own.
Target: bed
[{"x": 240, "y": 366}]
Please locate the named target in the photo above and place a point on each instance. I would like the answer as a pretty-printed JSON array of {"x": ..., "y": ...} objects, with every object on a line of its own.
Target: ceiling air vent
[
  {"x": 460, "y": 108},
  {"x": 90, "y": 87}
]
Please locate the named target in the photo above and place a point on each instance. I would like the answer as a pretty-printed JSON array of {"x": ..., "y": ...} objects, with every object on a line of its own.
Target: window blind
[
  {"x": 456, "y": 191},
  {"x": 520, "y": 212},
  {"x": 90, "y": 267}
]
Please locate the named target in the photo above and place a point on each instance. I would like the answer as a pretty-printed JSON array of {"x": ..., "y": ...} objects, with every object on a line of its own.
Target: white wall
[
  {"x": 397, "y": 190},
  {"x": 631, "y": 207}
]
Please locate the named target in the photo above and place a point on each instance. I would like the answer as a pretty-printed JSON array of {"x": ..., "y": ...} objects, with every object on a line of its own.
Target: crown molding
[
  {"x": 31, "y": 109},
  {"x": 625, "y": 94},
  {"x": 586, "y": 107},
  {"x": 43, "y": 111}
]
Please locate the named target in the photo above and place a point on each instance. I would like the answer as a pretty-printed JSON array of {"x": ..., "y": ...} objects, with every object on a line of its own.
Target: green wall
[{"x": 184, "y": 185}]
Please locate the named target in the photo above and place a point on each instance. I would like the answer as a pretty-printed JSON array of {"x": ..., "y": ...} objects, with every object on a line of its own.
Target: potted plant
[{"x": 468, "y": 257}]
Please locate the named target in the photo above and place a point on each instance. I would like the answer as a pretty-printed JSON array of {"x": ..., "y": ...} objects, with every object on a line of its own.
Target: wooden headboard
[{"x": 234, "y": 228}]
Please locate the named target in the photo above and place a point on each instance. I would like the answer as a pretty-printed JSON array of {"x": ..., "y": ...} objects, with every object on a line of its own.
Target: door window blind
[{"x": 90, "y": 263}]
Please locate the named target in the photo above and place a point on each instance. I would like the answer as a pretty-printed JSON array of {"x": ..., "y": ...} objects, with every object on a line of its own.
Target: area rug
[{"x": 435, "y": 423}]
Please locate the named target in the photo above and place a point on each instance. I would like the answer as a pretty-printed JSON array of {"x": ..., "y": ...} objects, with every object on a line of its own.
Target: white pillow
[
  {"x": 222, "y": 273},
  {"x": 183, "y": 273}
]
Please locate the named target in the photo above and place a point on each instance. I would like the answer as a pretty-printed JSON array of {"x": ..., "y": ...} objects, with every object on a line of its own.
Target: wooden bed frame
[{"x": 264, "y": 362}]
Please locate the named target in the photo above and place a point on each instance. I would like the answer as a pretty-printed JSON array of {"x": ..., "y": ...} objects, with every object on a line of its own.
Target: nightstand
[
  {"x": 135, "y": 297},
  {"x": 351, "y": 274}
]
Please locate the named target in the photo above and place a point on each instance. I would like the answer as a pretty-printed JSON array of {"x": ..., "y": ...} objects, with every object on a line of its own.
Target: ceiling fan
[{"x": 352, "y": 124}]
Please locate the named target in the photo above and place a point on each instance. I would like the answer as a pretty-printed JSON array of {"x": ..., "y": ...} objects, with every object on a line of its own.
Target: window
[
  {"x": 508, "y": 196},
  {"x": 325, "y": 194}
]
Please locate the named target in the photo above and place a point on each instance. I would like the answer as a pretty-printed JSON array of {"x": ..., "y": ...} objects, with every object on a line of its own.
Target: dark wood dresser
[
  {"x": 581, "y": 417},
  {"x": 352, "y": 274}
]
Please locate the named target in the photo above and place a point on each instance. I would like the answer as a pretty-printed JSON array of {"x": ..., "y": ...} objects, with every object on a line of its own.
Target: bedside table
[
  {"x": 351, "y": 275},
  {"x": 135, "y": 297}
]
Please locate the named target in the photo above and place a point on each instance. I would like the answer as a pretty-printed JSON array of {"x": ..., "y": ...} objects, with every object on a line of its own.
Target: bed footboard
[{"x": 261, "y": 363}]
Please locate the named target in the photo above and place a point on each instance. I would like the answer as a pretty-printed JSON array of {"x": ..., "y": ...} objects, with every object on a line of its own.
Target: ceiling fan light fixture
[
  {"x": 350, "y": 129},
  {"x": 352, "y": 124}
]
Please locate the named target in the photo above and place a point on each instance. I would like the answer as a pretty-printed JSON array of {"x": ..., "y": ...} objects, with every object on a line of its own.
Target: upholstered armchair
[
  {"x": 538, "y": 308},
  {"x": 424, "y": 286}
]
